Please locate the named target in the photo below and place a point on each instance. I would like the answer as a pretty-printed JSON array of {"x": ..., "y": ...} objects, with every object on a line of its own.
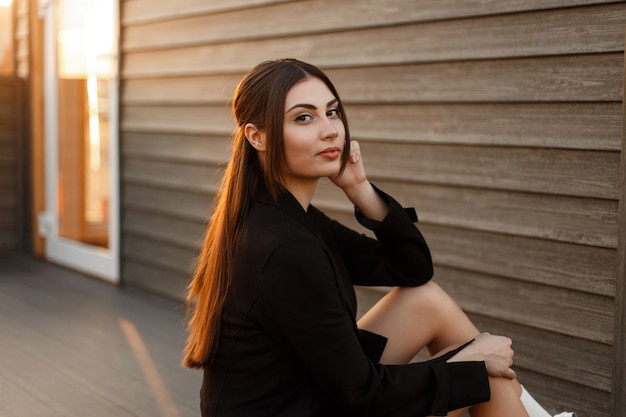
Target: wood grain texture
[
  {"x": 554, "y": 125},
  {"x": 177, "y": 147},
  {"x": 576, "y": 78},
  {"x": 139, "y": 11},
  {"x": 557, "y": 310},
  {"x": 559, "y": 395},
  {"x": 312, "y": 17},
  {"x": 582, "y": 365},
  {"x": 563, "y": 265},
  {"x": 159, "y": 254},
  {"x": 574, "y": 173},
  {"x": 217, "y": 88},
  {"x": 218, "y": 58},
  {"x": 152, "y": 278},
  {"x": 10, "y": 163},
  {"x": 557, "y": 218},
  {"x": 570, "y": 78},
  {"x": 136, "y": 12},
  {"x": 171, "y": 175},
  {"x": 163, "y": 228},
  {"x": 178, "y": 119},
  {"x": 175, "y": 203},
  {"x": 555, "y": 32},
  {"x": 66, "y": 350},
  {"x": 499, "y": 120},
  {"x": 570, "y": 359},
  {"x": 560, "y": 265},
  {"x": 619, "y": 357},
  {"x": 567, "y": 126}
]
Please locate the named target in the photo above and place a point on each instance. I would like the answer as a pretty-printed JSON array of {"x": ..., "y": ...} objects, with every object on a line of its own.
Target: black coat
[{"x": 289, "y": 344}]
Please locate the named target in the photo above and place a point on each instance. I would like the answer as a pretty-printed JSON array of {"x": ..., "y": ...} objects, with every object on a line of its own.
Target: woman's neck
[{"x": 302, "y": 189}]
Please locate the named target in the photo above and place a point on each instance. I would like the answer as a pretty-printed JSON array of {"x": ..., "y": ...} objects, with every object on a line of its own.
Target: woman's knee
[
  {"x": 429, "y": 296},
  {"x": 448, "y": 322}
]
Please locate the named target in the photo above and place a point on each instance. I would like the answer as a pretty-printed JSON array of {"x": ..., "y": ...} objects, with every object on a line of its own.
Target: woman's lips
[{"x": 330, "y": 153}]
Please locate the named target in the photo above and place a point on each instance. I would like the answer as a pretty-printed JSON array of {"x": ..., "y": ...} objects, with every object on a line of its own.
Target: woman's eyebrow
[{"x": 311, "y": 106}]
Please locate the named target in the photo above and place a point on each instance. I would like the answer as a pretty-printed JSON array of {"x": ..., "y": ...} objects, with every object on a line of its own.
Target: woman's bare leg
[{"x": 427, "y": 317}]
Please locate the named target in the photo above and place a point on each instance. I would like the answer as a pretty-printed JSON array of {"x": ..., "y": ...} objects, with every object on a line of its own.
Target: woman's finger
[{"x": 355, "y": 152}]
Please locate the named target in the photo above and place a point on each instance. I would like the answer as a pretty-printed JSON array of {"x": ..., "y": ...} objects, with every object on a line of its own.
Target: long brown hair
[{"x": 259, "y": 99}]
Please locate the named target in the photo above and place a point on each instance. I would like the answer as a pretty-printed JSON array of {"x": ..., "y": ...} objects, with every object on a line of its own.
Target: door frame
[{"x": 92, "y": 260}]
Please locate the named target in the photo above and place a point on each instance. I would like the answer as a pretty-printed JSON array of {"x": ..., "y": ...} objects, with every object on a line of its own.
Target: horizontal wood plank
[
  {"x": 565, "y": 265},
  {"x": 395, "y": 11},
  {"x": 162, "y": 228},
  {"x": 562, "y": 265},
  {"x": 568, "y": 358},
  {"x": 171, "y": 119},
  {"x": 575, "y": 173},
  {"x": 8, "y": 199},
  {"x": 176, "y": 203},
  {"x": 556, "y": 125},
  {"x": 520, "y": 80},
  {"x": 171, "y": 175},
  {"x": 498, "y": 37},
  {"x": 7, "y": 217},
  {"x": 8, "y": 177},
  {"x": 577, "y": 78},
  {"x": 138, "y": 11},
  {"x": 8, "y": 243},
  {"x": 155, "y": 279},
  {"x": 9, "y": 150},
  {"x": 569, "y": 126},
  {"x": 554, "y": 32},
  {"x": 556, "y": 310},
  {"x": 566, "y": 219},
  {"x": 311, "y": 17},
  {"x": 559, "y": 395},
  {"x": 176, "y": 147},
  {"x": 212, "y": 89},
  {"x": 160, "y": 254}
]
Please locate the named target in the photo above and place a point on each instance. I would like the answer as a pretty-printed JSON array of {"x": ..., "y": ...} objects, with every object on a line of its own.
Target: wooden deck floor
[{"x": 72, "y": 346}]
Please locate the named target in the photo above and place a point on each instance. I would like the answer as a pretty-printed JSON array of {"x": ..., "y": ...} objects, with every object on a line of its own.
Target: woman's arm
[{"x": 399, "y": 256}]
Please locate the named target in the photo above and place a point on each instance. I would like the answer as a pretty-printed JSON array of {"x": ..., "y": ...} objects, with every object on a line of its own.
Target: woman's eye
[
  {"x": 303, "y": 118},
  {"x": 334, "y": 112}
]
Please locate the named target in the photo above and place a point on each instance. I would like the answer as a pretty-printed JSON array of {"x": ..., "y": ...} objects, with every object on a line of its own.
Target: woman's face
[{"x": 314, "y": 134}]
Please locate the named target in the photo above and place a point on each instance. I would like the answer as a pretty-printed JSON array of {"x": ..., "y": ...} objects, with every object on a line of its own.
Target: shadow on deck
[{"x": 71, "y": 346}]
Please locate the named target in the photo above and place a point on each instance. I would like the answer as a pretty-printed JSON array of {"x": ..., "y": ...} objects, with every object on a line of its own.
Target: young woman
[{"x": 273, "y": 307}]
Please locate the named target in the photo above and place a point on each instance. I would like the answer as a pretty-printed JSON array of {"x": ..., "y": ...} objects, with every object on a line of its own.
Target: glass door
[{"x": 81, "y": 86}]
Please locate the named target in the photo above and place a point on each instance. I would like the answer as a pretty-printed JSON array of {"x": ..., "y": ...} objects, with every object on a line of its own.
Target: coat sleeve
[
  {"x": 399, "y": 256},
  {"x": 303, "y": 311}
]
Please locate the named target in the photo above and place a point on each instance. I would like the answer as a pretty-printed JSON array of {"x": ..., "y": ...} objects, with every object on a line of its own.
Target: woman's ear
[{"x": 255, "y": 136}]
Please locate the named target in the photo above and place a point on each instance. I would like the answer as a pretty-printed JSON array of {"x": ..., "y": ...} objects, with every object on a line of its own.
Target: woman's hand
[
  {"x": 354, "y": 173},
  {"x": 495, "y": 351},
  {"x": 353, "y": 181}
]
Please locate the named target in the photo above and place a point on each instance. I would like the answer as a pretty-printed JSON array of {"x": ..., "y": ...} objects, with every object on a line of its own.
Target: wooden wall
[
  {"x": 500, "y": 121},
  {"x": 10, "y": 164}
]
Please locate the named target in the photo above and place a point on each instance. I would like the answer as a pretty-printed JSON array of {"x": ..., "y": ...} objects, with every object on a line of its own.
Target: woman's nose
[{"x": 330, "y": 130}]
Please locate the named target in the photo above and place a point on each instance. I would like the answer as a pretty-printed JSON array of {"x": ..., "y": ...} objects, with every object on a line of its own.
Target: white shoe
[{"x": 535, "y": 410}]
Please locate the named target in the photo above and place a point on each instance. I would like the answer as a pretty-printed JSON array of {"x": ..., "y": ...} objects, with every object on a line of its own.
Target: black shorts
[{"x": 372, "y": 344}]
